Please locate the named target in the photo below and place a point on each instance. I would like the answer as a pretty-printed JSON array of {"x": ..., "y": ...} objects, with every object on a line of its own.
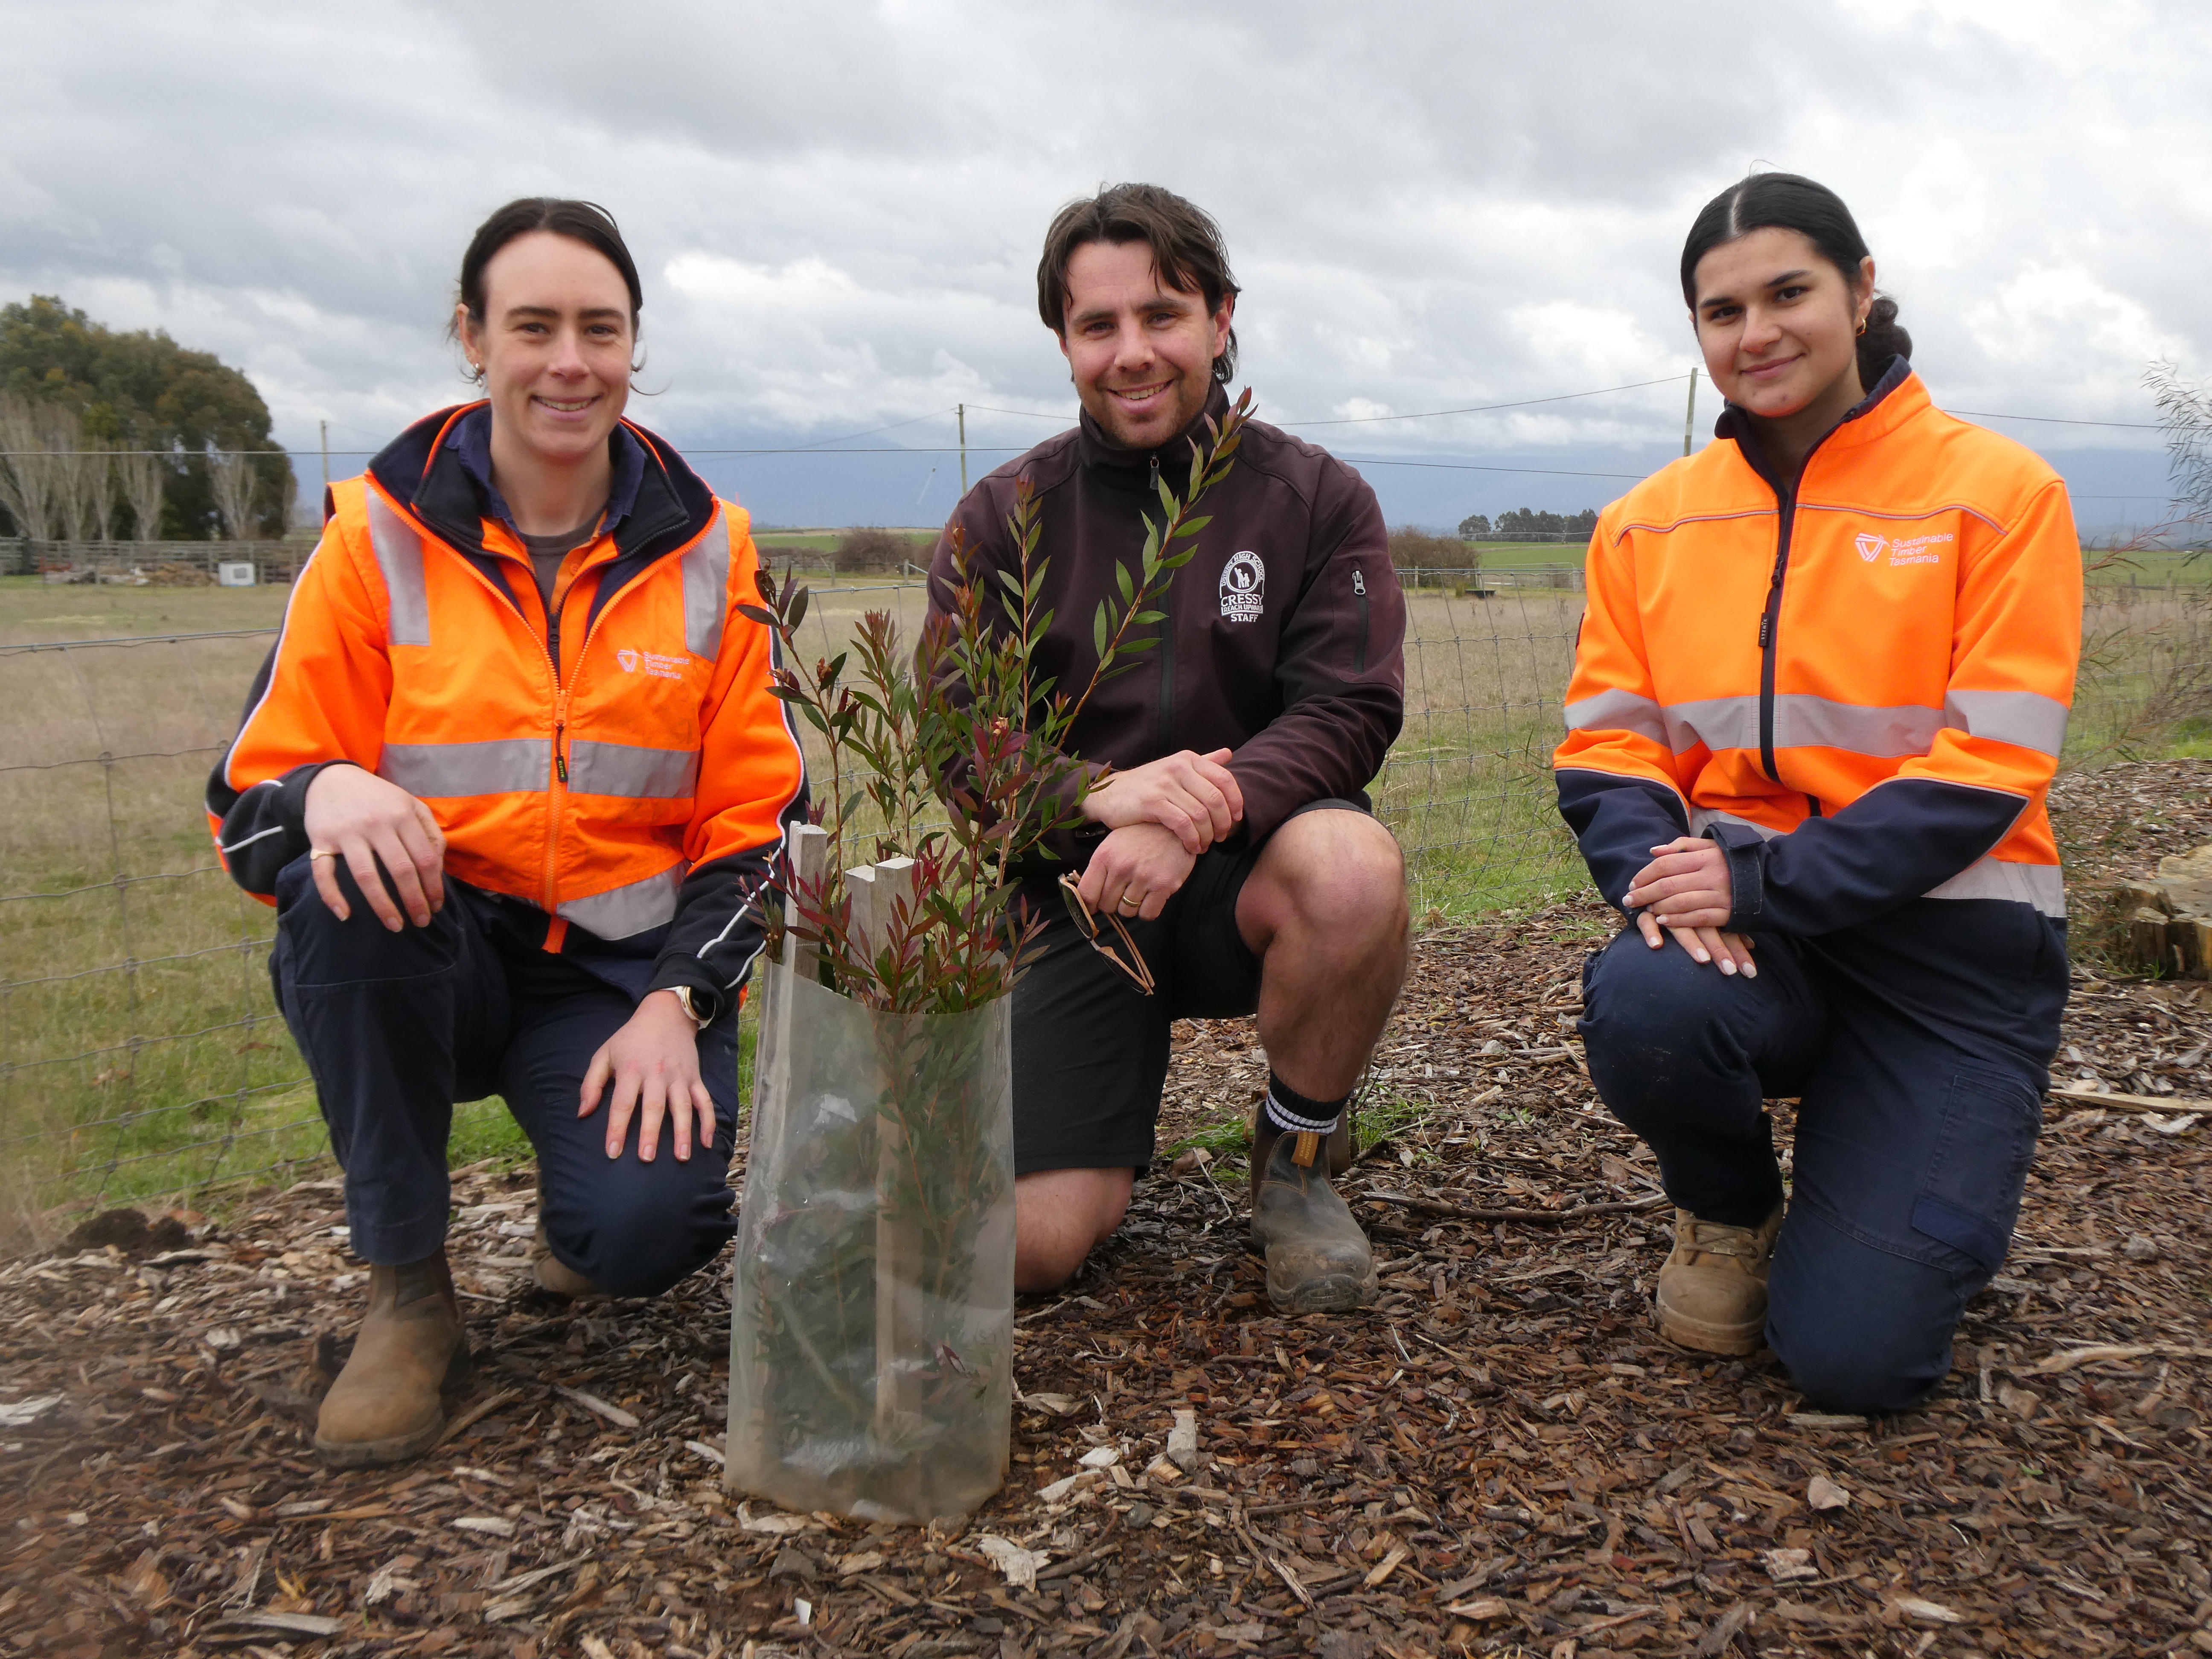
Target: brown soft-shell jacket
[{"x": 1284, "y": 640}]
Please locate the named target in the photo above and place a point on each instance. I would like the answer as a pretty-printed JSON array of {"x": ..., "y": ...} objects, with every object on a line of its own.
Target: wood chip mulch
[{"x": 1498, "y": 1458}]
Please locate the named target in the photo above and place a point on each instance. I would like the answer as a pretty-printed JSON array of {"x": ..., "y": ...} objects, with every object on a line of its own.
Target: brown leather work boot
[
  {"x": 385, "y": 1406},
  {"x": 1712, "y": 1291},
  {"x": 549, "y": 1272},
  {"x": 1318, "y": 1259}
]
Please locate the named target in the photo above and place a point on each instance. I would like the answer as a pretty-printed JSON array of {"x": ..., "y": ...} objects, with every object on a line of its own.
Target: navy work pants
[
  {"x": 1917, "y": 1046},
  {"x": 398, "y": 1027}
]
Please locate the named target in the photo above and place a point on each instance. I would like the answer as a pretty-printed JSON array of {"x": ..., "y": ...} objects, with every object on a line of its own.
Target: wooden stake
[{"x": 880, "y": 894}]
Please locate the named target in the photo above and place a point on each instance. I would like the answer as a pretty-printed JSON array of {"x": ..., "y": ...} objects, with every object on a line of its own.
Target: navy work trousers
[
  {"x": 1917, "y": 1046},
  {"x": 399, "y": 1026}
]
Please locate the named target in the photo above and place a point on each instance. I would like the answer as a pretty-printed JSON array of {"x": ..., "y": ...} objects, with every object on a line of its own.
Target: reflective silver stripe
[
  {"x": 621, "y": 911},
  {"x": 399, "y": 555},
  {"x": 1702, "y": 817},
  {"x": 502, "y": 767},
  {"x": 1802, "y": 722},
  {"x": 2042, "y": 885},
  {"x": 1716, "y": 722},
  {"x": 1617, "y": 711},
  {"x": 2026, "y": 718},
  {"x": 707, "y": 589},
  {"x": 624, "y": 768}
]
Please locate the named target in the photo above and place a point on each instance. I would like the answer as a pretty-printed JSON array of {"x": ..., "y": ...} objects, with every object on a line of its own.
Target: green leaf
[
  {"x": 1121, "y": 580},
  {"x": 799, "y": 600},
  {"x": 1099, "y": 632}
]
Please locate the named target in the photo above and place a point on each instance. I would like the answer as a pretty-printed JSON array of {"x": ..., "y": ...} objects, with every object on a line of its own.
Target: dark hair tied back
[
  {"x": 1787, "y": 201},
  {"x": 583, "y": 222}
]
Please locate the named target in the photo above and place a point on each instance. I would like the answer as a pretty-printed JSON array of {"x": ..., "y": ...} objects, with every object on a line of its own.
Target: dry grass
[{"x": 140, "y": 1053}]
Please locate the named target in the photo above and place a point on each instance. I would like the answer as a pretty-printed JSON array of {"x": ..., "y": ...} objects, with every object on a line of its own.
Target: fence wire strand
[{"x": 141, "y": 1057}]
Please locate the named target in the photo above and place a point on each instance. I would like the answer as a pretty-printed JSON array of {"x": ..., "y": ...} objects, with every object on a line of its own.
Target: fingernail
[
  {"x": 1701, "y": 956},
  {"x": 1727, "y": 966},
  {"x": 1749, "y": 972}
]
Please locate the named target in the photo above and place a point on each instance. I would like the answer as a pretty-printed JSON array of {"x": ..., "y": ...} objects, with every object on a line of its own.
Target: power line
[
  {"x": 1484, "y": 409},
  {"x": 1466, "y": 466},
  {"x": 2058, "y": 420}
]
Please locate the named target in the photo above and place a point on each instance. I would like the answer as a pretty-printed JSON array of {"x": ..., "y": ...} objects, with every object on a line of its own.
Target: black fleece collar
[
  {"x": 420, "y": 467},
  {"x": 1132, "y": 468}
]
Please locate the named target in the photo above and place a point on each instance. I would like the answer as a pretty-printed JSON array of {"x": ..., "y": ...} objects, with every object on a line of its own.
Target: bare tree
[
  {"x": 78, "y": 472},
  {"x": 139, "y": 476},
  {"x": 2186, "y": 412},
  {"x": 234, "y": 483},
  {"x": 30, "y": 481}
]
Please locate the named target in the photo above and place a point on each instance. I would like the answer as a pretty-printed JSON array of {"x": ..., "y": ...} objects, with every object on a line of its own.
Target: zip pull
[
  {"x": 1765, "y": 624},
  {"x": 1156, "y": 473},
  {"x": 1359, "y": 583},
  {"x": 559, "y": 736}
]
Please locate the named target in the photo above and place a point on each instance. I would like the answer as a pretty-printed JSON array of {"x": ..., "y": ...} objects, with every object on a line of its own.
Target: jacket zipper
[
  {"x": 557, "y": 796},
  {"x": 1167, "y": 637},
  {"x": 1359, "y": 592},
  {"x": 1769, "y": 620}
]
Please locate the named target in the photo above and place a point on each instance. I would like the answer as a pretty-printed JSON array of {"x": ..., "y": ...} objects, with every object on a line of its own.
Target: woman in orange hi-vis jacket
[
  {"x": 509, "y": 776},
  {"x": 1821, "y": 690}
]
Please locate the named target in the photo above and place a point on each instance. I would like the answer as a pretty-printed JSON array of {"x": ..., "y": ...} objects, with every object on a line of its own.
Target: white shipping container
[{"x": 238, "y": 575}]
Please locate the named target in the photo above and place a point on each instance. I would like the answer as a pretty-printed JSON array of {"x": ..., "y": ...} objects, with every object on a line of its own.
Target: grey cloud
[{"x": 837, "y": 206}]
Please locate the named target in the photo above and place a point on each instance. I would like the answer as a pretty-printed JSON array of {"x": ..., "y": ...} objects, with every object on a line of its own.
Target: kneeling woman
[
  {"x": 1820, "y": 689},
  {"x": 508, "y": 776}
]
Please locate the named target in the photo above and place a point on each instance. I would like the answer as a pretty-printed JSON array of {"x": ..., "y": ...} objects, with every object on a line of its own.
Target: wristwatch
[{"x": 699, "y": 1005}]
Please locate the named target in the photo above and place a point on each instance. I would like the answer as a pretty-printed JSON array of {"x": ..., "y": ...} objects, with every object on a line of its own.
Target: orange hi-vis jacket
[
  {"x": 621, "y": 766},
  {"x": 1856, "y": 681}
]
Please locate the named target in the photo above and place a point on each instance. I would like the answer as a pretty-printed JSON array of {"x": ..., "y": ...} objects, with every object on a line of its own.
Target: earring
[{"x": 1861, "y": 327}]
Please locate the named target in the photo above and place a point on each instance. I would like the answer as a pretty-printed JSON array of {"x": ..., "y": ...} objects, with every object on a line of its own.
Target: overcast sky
[{"x": 837, "y": 208}]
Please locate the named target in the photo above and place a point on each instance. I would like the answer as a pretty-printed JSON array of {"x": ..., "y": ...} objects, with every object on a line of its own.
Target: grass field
[{"x": 140, "y": 1053}]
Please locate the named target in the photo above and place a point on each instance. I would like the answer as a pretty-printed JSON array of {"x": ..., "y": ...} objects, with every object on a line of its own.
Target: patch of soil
[{"x": 1500, "y": 1457}]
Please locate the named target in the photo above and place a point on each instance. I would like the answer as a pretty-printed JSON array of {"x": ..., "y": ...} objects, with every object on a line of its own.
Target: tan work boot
[
  {"x": 1341, "y": 1157},
  {"x": 1318, "y": 1259},
  {"x": 1712, "y": 1291},
  {"x": 385, "y": 1406},
  {"x": 549, "y": 1272}
]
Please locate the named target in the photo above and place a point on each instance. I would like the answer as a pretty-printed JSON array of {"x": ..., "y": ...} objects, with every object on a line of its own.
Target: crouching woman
[
  {"x": 1820, "y": 689},
  {"x": 508, "y": 776}
]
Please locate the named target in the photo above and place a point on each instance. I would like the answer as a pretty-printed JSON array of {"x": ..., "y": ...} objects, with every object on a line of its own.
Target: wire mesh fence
[{"x": 140, "y": 1054}]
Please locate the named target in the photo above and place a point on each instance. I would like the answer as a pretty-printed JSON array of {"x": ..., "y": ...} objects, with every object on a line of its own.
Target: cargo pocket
[{"x": 1969, "y": 1198}]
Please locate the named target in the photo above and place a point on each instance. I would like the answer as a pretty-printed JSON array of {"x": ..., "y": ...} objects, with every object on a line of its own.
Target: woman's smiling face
[
  {"x": 554, "y": 345},
  {"x": 1777, "y": 324}
]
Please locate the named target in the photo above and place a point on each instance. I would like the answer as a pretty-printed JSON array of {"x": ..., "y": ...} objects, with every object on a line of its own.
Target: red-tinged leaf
[
  {"x": 755, "y": 613},
  {"x": 800, "y": 596}
]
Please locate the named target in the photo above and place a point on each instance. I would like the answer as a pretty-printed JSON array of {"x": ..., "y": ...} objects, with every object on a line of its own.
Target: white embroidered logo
[
  {"x": 660, "y": 668},
  {"x": 1919, "y": 549},
  {"x": 1869, "y": 545},
  {"x": 1244, "y": 587}
]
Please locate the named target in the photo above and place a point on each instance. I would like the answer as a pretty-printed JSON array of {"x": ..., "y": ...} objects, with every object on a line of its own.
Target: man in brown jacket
[{"x": 1233, "y": 836}]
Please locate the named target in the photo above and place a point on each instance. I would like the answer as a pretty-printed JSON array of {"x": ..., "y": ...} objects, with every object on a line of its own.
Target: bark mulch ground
[{"x": 1498, "y": 1458}]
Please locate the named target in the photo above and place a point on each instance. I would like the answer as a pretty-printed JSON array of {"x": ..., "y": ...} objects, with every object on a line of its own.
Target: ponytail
[{"x": 1883, "y": 338}]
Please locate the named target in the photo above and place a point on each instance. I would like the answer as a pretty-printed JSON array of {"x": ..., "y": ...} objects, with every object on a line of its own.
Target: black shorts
[{"x": 1090, "y": 1050}]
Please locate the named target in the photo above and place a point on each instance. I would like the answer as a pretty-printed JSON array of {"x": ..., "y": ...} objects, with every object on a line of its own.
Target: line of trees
[
  {"x": 107, "y": 436},
  {"x": 1525, "y": 521}
]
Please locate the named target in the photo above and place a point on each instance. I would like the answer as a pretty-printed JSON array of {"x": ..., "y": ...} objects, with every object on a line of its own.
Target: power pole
[
  {"x": 962, "y": 409},
  {"x": 325, "y": 425},
  {"x": 1690, "y": 415}
]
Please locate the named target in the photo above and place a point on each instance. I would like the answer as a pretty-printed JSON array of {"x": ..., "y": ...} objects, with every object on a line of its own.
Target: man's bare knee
[
  {"x": 1059, "y": 1216},
  {"x": 1339, "y": 874}
]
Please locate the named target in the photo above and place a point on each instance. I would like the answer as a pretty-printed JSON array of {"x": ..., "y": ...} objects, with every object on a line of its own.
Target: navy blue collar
[{"x": 471, "y": 439}]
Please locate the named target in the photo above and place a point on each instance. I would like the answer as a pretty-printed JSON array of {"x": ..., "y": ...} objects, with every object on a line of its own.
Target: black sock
[{"x": 1292, "y": 1113}]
